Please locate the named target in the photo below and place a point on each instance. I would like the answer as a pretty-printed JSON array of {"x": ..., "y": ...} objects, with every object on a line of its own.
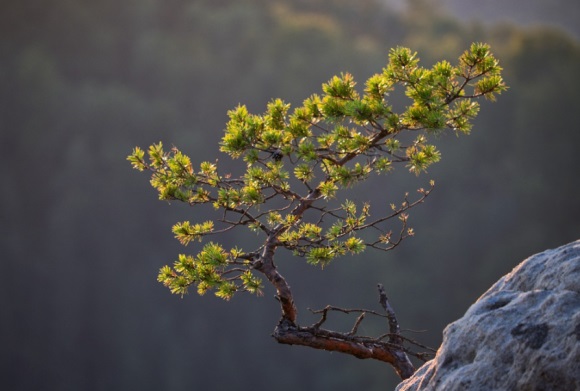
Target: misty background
[{"x": 83, "y": 235}]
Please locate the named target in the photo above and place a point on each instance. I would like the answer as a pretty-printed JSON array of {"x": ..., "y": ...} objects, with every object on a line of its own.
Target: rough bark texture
[
  {"x": 287, "y": 333},
  {"x": 522, "y": 334}
]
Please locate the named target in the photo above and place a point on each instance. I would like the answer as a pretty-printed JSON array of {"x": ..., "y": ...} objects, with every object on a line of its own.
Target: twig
[{"x": 357, "y": 323}]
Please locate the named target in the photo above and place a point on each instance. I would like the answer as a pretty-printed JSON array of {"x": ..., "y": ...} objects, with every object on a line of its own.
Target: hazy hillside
[
  {"x": 556, "y": 13},
  {"x": 83, "y": 235}
]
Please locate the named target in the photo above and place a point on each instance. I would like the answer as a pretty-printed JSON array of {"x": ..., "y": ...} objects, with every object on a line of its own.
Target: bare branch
[
  {"x": 345, "y": 310},
  {"x": 411, "y": 341},
  {"x": 354, "y": 329}
]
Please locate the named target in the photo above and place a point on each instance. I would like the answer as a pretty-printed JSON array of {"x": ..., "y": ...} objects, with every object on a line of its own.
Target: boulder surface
[{"x": 523, "y": 334}]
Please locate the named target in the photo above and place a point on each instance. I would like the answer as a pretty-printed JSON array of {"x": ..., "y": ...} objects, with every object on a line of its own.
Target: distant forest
[{"x": 83, "y": 236}]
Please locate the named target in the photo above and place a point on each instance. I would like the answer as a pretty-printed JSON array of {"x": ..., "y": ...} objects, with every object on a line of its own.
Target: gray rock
[{"x": 522, "y": 334}]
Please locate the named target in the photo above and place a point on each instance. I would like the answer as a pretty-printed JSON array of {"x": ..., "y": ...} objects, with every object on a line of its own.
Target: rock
[{"x": 522, "y": 334}]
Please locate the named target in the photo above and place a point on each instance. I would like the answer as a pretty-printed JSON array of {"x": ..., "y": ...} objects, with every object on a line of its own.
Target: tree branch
[
  {"x": 290, "y": 334},
  {"x": 265, "y": 265},
  {"x": 392, "y": 352}
]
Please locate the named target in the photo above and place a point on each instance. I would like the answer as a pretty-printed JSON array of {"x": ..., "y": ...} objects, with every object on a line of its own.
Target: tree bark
[
  {"x": 265, "y": 265},
  {"x": 289, "y": 332},
  {"x": 363, "y": 348}
]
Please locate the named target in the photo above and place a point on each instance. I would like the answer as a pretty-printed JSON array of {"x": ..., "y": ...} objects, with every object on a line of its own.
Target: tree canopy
[{"x": 297, "y": 160}]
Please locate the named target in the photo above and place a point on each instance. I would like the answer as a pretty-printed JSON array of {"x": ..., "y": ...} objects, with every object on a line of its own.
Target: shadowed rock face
[{"x": 522, "y": 334}]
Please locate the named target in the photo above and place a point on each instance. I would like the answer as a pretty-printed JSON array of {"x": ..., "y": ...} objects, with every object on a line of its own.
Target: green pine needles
[{"x": 296, "y": 161}]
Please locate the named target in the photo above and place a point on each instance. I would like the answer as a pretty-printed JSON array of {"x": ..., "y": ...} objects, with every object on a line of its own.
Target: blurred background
[{"x": 83, "y": 235}]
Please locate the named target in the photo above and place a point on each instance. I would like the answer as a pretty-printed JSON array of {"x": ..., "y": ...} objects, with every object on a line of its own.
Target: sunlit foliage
[{"x": 300, "y": 159}]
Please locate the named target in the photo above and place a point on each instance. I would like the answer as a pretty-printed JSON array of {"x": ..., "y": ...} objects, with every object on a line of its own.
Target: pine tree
[{"x": 296, "y": 163}]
